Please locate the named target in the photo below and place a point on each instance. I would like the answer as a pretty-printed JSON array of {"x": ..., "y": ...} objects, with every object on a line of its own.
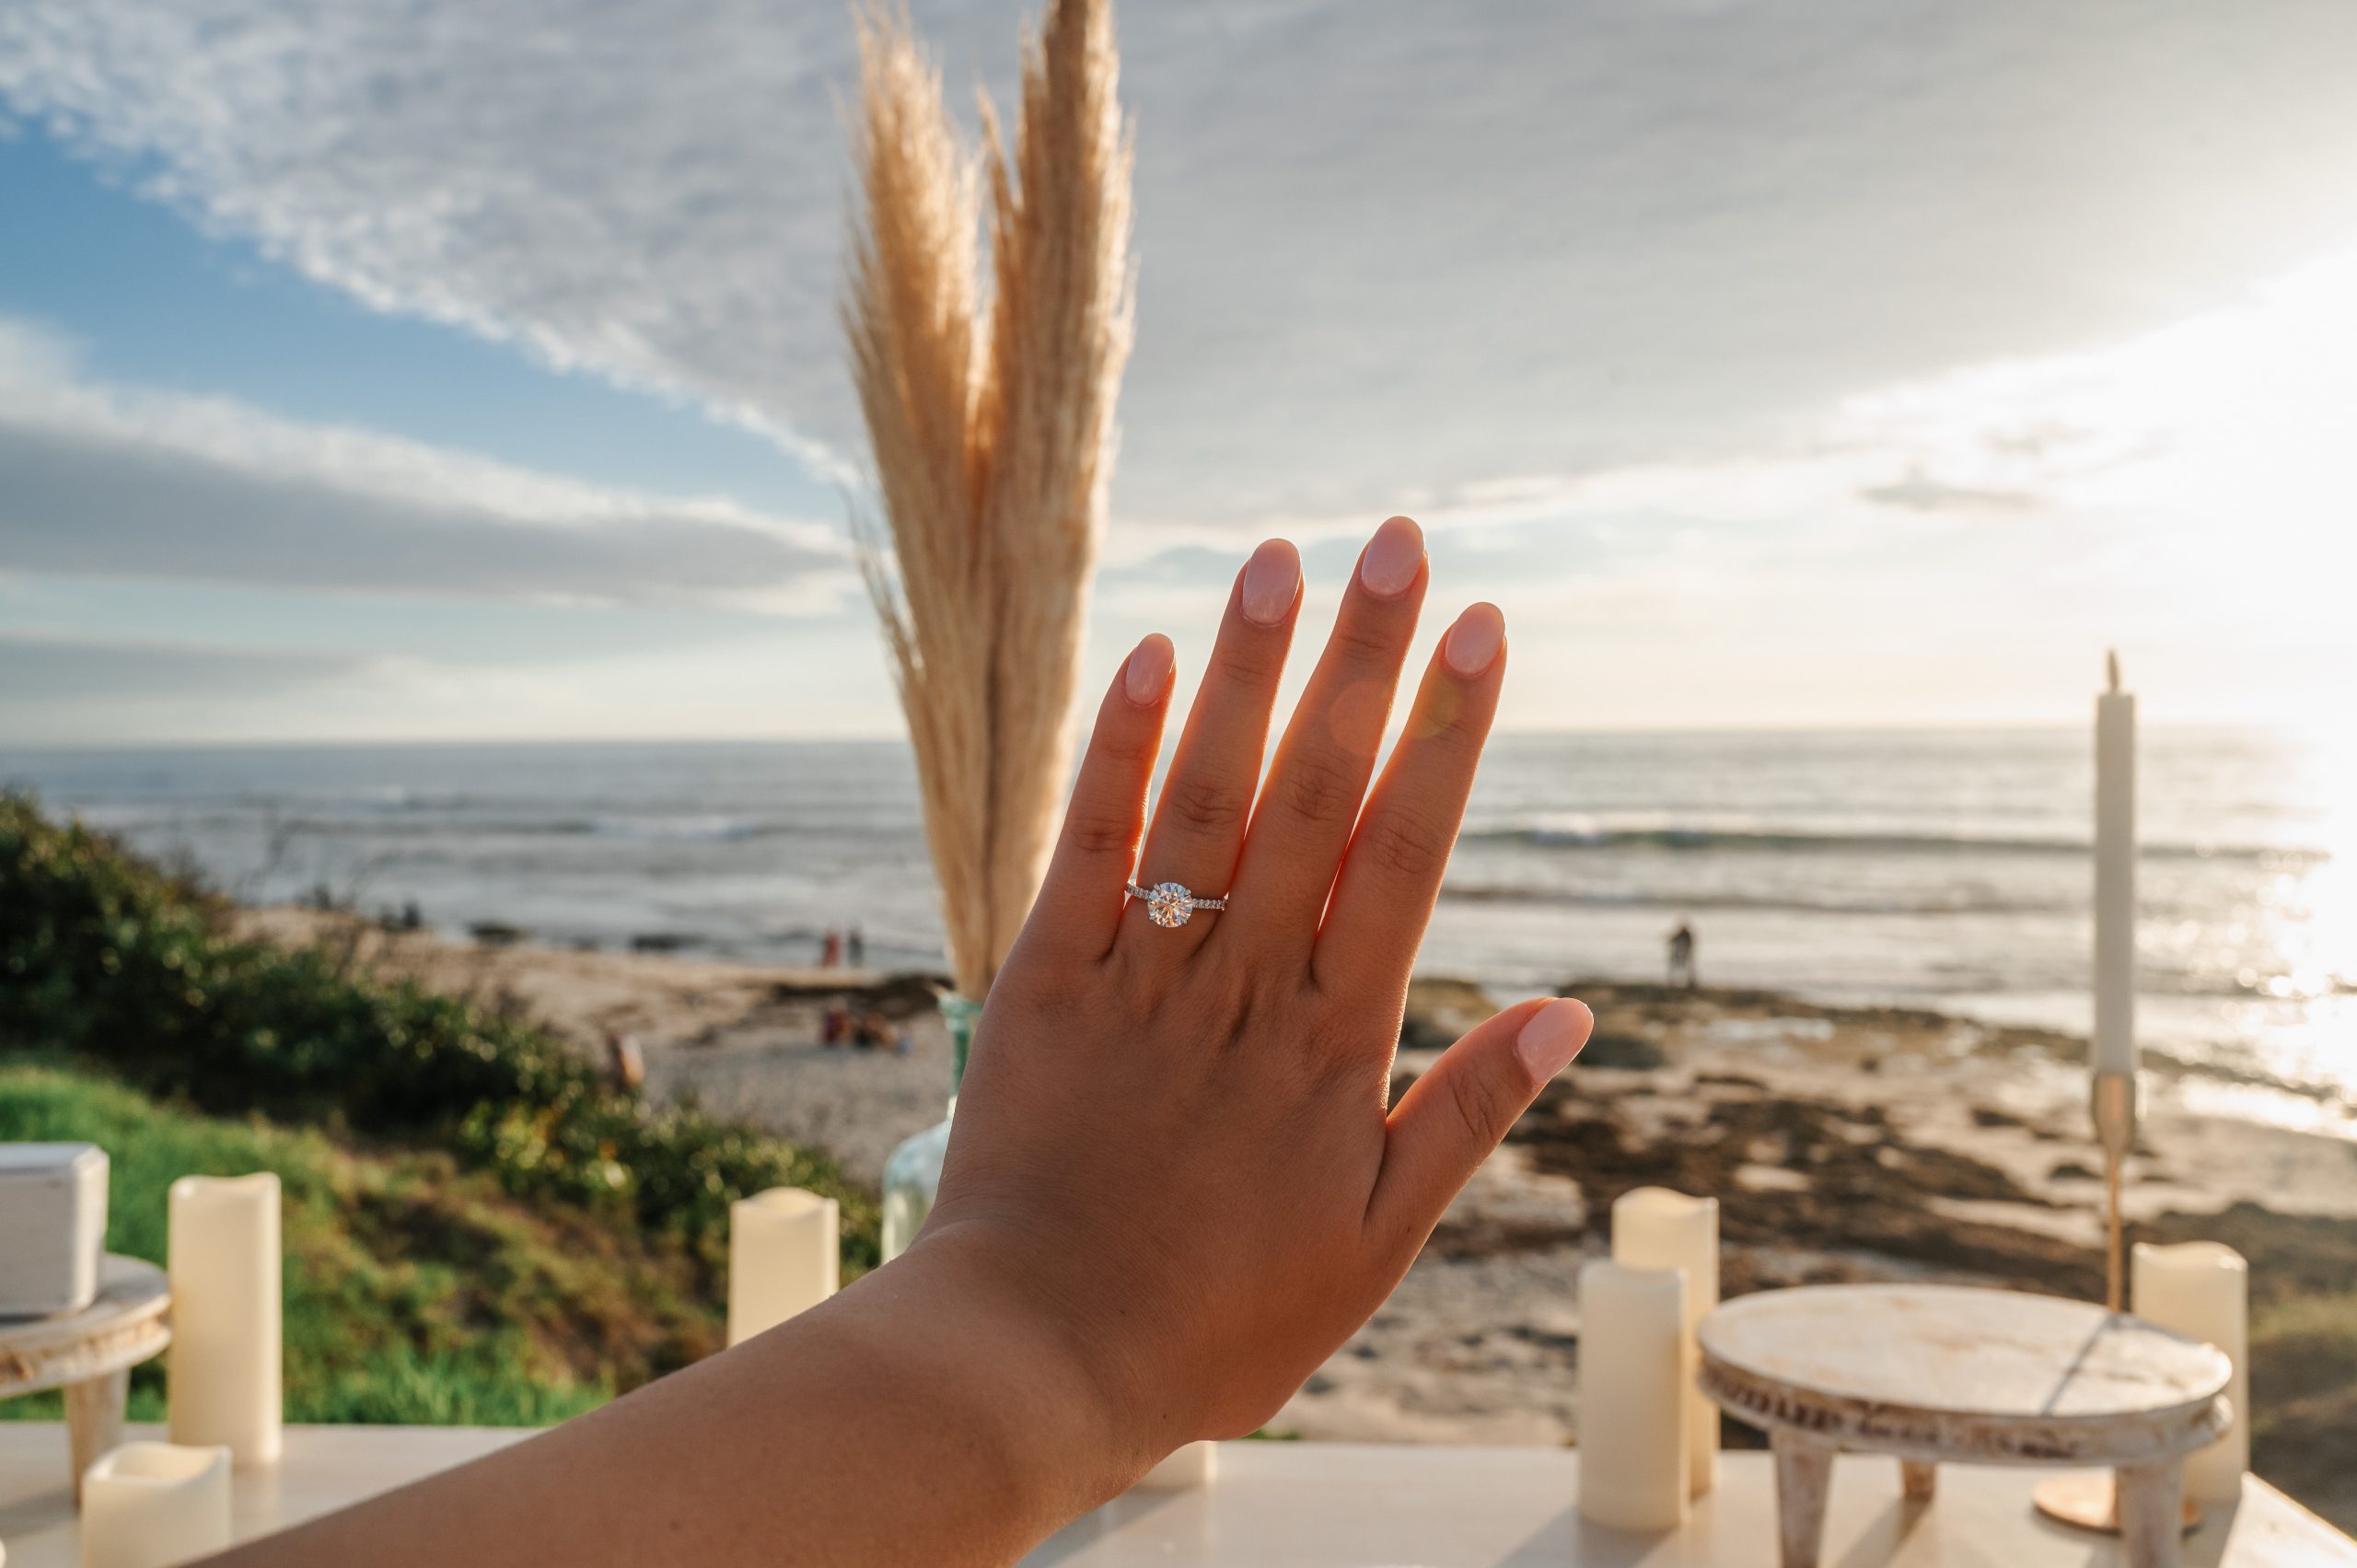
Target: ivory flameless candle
[
  {"x": 1633, "y": 1406},
  {"x": 785, "y": 1257},
  {"x": 2115, "y": 956},
  {"x": 2201, "y": 1289},
  {"x": 224, "y": 1374},
  {"x": 154, "y": 1504},
  {"x": 1653, "y": 1228}
]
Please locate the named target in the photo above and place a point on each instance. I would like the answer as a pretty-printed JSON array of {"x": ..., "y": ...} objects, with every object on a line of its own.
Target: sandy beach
[{"x": 1844, "y": 1142}]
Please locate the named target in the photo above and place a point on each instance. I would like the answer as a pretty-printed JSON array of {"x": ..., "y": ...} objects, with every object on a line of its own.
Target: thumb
[{"x": 1462, "y": 1106}]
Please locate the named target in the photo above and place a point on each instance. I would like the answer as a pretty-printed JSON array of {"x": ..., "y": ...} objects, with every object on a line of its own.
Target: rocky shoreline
[{"x": 1843, "y": 1143}]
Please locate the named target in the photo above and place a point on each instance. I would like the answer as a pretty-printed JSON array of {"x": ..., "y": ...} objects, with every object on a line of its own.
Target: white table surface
[{"x": 1322, "y": 1505}]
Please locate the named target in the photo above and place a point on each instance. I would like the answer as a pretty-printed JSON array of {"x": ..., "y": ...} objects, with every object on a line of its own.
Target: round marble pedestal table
[
  {"x": 90, "y": 1353},
  {"x": 1928, "y": 1373}
]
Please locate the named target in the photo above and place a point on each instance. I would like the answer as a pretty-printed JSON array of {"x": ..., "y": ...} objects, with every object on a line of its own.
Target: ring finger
[{"x": 1206, "y": 799}]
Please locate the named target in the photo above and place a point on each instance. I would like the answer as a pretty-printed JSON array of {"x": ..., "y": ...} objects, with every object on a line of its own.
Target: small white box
[{"x": 53, "y": 1226}]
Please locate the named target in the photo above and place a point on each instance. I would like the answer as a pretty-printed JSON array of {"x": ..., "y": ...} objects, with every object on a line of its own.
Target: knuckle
[
  {"x": 1361, "y": 641},
  {"x": 1099, "y": 835},
  {"x": 1322, "y": 789},
  {"x": 1206, "y": 805},
  {"x": 1482, "y": 1107},
  {"x": 1247, "y": 672},
  {"x": 1439, "y": 729},
  {"x": 1122, "y": 743},
  {"x": 1407, "y": 844}
]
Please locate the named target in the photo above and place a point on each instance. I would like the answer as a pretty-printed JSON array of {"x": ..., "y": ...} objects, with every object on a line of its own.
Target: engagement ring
[{"x": 1169, "y": 903}]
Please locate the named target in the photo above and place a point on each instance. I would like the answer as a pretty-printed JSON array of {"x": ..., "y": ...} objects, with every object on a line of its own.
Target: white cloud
[
  {"x": 1391, "y": 251},
  {"x": 108, "y": 481}
]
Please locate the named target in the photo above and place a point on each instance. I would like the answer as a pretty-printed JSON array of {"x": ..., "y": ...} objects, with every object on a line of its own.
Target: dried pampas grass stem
[{"x": 992, "y": 429}]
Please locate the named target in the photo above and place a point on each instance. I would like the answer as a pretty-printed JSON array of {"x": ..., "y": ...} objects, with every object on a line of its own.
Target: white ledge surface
[{"x": 1321, "y": 1505}]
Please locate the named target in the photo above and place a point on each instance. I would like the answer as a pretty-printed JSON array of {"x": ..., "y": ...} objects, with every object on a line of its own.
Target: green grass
[{"x": 415, "y": 1292}]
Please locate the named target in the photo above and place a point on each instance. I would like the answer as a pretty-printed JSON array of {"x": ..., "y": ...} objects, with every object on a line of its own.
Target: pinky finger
[
  {"x": 1078, "y": 911},
  {"x": 1463, "y": 1106}
]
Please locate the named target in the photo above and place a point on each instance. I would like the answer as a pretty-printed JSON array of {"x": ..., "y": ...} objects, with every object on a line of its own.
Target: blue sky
[
  {"x": 147, "y": 298},
  {"x": 1840, "y": 362}
]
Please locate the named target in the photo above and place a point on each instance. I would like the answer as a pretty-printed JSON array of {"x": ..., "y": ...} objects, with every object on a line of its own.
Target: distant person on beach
[
  {"x": 1681, "y": 957},
  {"x": 857, "y": 943},
  {"x": 831, "y": 951},
  {"x": 1177, "y": 1182},
  {"x": 626, "y": 1061}
]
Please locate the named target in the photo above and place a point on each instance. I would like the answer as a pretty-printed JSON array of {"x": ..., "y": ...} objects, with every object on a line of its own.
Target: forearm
[{"x": 925, "y": 1415}]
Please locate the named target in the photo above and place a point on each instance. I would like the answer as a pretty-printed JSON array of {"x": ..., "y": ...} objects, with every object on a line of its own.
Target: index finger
[{"x": 1079, "y": 907}]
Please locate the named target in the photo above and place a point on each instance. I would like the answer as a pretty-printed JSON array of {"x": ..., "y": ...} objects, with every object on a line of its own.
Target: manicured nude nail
[
  {"x": 1472, "y": 645},
  {"x": 1148, "y": 676},
  {"x": 1392, "y": 558},
  {"x": 1552, "y": 1035},
  {"x": 1272, "y": 582}
]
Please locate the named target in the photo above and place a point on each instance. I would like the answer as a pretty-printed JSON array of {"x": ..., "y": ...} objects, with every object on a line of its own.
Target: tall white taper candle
[
  {"x": 224, "y": 1264},
  {"x": 1653, "y": 1228},
  {"x": 153, "y": 1504},
  {"x": 785, "y": 1257},
  {"x": 2115, "y": 956},
  {"x": 2201, "y": 1289},
  {"x": 1632, "y": 1410}
]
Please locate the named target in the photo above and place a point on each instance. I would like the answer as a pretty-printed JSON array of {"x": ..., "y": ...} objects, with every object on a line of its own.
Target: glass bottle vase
[{"x": 912, "y": 1175}]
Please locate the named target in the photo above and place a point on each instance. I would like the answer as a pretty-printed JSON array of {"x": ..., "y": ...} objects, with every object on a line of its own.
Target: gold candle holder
[
  {"x": 2091, "y": 1502},
  {"x": 2113, "y": 1103}
]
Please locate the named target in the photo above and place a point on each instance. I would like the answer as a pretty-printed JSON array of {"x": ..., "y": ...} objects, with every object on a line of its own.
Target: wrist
[{"x": 1069, "y": 1414}]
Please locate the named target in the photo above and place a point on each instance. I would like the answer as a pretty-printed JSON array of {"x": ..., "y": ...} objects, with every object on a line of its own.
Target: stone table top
[
  {"x": 1315, "y": 1505},
  {"x": 1952, "y": 1372}
]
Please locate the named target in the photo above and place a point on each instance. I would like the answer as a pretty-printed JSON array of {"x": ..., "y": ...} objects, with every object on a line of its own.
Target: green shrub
[
  {"x": 413, "y": 1293},
  {"x": 102, "y": 953}
]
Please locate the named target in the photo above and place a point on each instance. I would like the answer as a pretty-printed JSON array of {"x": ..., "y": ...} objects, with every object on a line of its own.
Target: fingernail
[
  {"x": 1149, "y": 670},
  {"x": 1389, "y": 565},
  {"x": 1472, "y": 645},
  {"x": 1272, "y": 582},
  {"x": 1552, "y": 1035}
]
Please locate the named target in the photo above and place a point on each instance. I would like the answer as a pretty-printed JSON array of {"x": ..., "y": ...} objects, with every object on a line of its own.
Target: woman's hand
[
  {"x": 1174, "y": 1144},
  {"x": 1173, "y": 1188}
]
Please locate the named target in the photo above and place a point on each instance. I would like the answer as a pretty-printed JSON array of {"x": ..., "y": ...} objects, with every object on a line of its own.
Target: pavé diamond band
[{"x": 1170, "y": 904}]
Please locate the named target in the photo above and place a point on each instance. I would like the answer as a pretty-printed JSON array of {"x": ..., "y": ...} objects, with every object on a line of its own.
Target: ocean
[{"x": 1946, "y": 869}]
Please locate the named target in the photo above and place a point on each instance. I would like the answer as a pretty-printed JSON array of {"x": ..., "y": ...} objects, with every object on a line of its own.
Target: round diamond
[{"x": 1169, "y": 903}]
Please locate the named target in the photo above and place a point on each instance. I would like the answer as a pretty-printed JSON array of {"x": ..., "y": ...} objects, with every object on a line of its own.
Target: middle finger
[{"x": 1311, "y": 799}]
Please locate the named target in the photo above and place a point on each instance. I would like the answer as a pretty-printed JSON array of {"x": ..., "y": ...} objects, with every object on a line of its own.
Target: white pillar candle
[
  {"x": 1653, "y": 1228},
  {"x": 1632, "y": 1407},
  {"x": 1189, "y": 1466},
  {"x": 2115, "y": 956},
  {"x": 785, "y": 1257},
  {"x": 2202, "y": 1290},
  {"x": 152, "y": 1505},
  {"x": 224, "y": 1373}
]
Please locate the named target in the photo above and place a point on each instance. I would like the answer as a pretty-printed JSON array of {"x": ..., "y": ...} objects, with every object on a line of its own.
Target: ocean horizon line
[{"x": 898, "y": 739}]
